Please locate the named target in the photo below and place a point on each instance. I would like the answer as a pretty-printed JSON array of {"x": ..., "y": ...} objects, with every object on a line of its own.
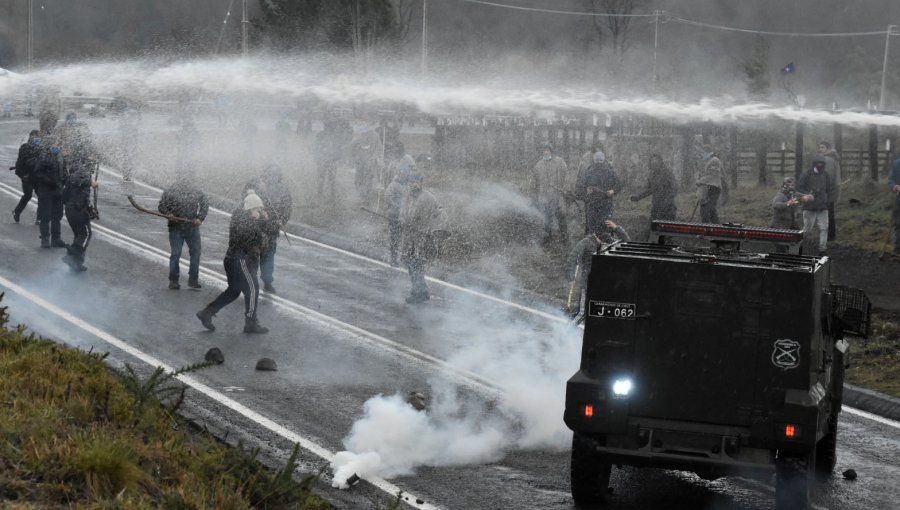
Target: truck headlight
[{"x": 622, "y": 387}]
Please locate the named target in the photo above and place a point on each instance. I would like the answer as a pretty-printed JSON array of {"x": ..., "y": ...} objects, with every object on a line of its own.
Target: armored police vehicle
[{"x": 702, "y": 355}]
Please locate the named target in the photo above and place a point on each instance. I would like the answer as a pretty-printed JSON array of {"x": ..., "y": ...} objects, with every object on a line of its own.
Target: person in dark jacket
[
  {"x": 29, "y": 155},
  {"x": 597, "y": 188},
  {"x": 661, "y": 185},
  {"x": 816, "y": 187},
  {"x": 246, "y": 238},
  {"x": 894, "y": 186},
  {"x": 79, "y": 167},
  {"x": 275, "y": 193},
  {"x": 49, "y": 180},
  {"x": 833, "y": 169},
  {"x": 184, "y": 200}
]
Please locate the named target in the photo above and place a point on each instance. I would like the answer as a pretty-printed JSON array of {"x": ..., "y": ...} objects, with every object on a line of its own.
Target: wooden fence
[{"x": 854, "y": 163}]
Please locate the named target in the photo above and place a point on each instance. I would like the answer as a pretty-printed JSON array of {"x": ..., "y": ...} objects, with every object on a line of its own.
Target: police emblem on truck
[{"x": 786, "y": 354}]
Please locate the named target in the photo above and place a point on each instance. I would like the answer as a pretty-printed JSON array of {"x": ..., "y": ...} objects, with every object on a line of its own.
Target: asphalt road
[{"x": 341, "y": 334}]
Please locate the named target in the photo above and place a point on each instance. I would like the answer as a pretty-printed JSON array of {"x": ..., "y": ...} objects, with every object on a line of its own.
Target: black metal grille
[{"x": 851, "y": 308}]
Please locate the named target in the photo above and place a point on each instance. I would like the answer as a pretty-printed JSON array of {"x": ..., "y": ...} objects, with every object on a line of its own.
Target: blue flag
[{"x": 789, "y": 69}]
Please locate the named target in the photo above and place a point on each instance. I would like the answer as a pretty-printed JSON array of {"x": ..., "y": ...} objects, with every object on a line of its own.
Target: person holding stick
[
  {"x": 187, "y": 202},
  {"x": 578, "y": 266}
]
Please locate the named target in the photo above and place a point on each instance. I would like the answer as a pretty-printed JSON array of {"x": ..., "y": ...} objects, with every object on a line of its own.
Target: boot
[
  {"x": 173, "y": 285},
  {"x": 45, "y": 243},
  {"x": 15, "y": 216},
  {"x": 268, "y": 288},
  {"x": 417, "y": 298},
  {"x": 252, "y": 326},
  {"x": 205, "y": 317},
  {"x": 58, "y": 243},
  {"x": 194, "y": 284}
]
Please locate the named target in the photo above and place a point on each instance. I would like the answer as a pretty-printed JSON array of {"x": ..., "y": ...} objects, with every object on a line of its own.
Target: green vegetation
[
  {"x": 875, "y": 363},
  {"x": 75, "y": 433}
]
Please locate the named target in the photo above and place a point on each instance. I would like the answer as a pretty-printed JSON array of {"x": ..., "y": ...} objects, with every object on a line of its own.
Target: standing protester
[
  {"x": 329, "y": 147},
  {"x": 184, "y": 200},
  {"x": 661, "y": 185},
  {"x": 711, "y": 186},
  {"x": 816, "y": 186},
  {"x": 597, "y": 187},
  {"x": 279, "y": 204},
  {"x": 784, "y": 207},
  {"x": 364, "y": 152},
  {"x": 578, "y": 266},
  {"x": 548, "y": 180},
  {"x": 833, "y": 169},
  {"x": 894, "y": 185},
  {"x": 79, "y": 167},
  {"x": 74, "y": 136},
  {"x": 422, "y": 216},
  {"x": 394, "y": 196},
  {"x": 49, "y": 179},
  {"x": 29, "y": 155},
  {"x": 246, "y": 238}
]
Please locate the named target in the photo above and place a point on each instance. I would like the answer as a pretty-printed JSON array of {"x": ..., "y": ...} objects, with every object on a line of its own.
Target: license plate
[{"x": 608, "y": 310}]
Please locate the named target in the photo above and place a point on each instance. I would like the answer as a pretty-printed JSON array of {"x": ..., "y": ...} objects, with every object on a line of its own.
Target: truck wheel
[
  {"x": 590, "y": 470},
  {"x": 826, "y": 448},
  {"x": 794, "y": 481}
]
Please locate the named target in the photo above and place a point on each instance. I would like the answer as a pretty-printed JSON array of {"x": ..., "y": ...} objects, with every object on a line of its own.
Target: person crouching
[{"x": 246, "y": 239}]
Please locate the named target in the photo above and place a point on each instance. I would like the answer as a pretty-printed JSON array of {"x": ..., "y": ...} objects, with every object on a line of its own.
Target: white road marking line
[
  {"x": 377, "y": 262},
  {"x": 228, "y": 402},
  {"x": 874, "y": 417},
  {"x": 480, "y": 384}
]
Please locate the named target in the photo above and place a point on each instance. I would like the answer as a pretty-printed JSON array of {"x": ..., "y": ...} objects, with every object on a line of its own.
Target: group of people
[{"x": 58, "y": 164}]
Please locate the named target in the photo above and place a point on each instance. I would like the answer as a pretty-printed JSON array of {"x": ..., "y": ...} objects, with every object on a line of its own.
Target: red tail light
[
  {"x": 790, "y": 431},
  {"x": 588, "y": 411}
]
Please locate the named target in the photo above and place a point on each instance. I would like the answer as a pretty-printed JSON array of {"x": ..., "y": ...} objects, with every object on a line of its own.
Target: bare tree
[{"x": 617, "y": 21}]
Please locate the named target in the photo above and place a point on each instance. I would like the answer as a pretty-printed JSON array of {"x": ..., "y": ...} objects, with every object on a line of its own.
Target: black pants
[
  {"x": 595, "y": 215},
  {"x": 27, "y": 193},
  {"x": 80, "y": 223},
  {"x": 267, "y": 261},
  {"x": 241, "y": 273},
  {"x": 396, "y": 233},
  {"x": 832, "y": 229},
  {"x": 416, "y": 268},
  {"x": 50, "y": 207},
  {"x": 709, "y": 212}
]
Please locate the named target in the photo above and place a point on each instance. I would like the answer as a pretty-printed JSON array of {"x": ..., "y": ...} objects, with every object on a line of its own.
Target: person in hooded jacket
[
  {"x": 784, "y": 206},
  {"x": 597, "y": 188},
  {"x": 421, "y": 216},
  {"x": 833, "y": 169},
  {"x": 184, "y": 200},
  {"x": 662, "y": 187},
  {"x": 49, "y": 180},
  {"x": 246, "y": 239},
  {"x": 816, "y": 186},
  {"x": 548, "y": 182},
  {"x": 275, "y": 192},
  {"x": 711, "y": 187},
  {"x": 27, "y": 160},
  {"x": 79, "y": 169}
]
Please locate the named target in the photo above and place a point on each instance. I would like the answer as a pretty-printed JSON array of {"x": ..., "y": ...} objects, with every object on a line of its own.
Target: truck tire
[
  {"x": 590, "y": 470},
  {"x": 794, "y": 480},
  {"x": 826, "y": 448}
]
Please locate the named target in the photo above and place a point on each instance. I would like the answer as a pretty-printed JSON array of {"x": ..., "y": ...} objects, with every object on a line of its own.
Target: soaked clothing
[
  {"x": 279, "y": 205},
  {"x": 49, "y": 179},
  {"x": 593, "y": 188},
  {"x": 185, "y": 200},
  {"x": 421, "y": 216},
  {"x": 77, "y": 199},
  {"x": 245, "y": 240},
  {"x": 661, "y": 187},
  {"x": 710, "y": 186},
  {"x": 393, "y": 200},
  {"x": 27, "y": 160},
  {"x": 783, "y": 215}
]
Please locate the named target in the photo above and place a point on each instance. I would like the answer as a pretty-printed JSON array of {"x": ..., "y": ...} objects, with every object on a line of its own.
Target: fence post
[{"x": 873, "y": 152}]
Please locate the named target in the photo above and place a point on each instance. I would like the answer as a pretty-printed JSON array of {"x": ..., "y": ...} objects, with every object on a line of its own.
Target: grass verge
[
  {"x": 875, "y": 363},
  {"x": 75, "y": 433}
]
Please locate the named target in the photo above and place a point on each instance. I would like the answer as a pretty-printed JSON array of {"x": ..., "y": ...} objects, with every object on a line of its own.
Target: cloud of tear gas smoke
[
  {"x": 279, "y": 79},
  {"x": 494, "y": 200},
  {"x": 529, "y": 359}
]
